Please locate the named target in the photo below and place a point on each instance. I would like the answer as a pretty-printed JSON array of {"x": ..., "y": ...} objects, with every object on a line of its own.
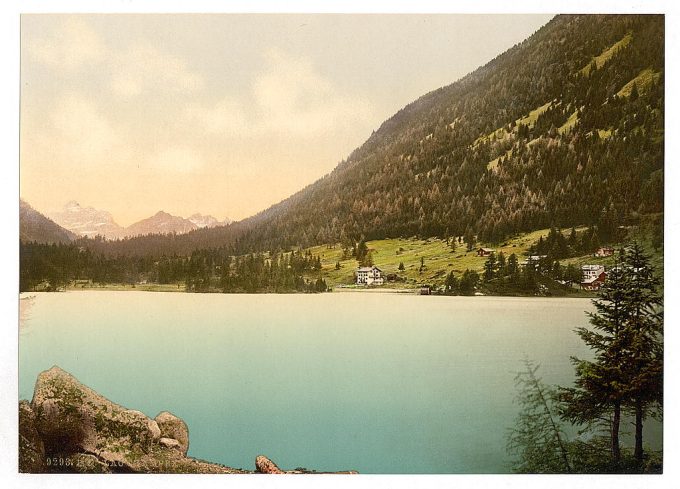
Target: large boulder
[
  {"x": 173, "y": 427},
  {"x": 31, "y": 447},
  {"x": 265, "y": 466},
  {"x": 84, "y": 463},
  {"x": 68, "y": 427},
  {"x": 73, "y": 418}
]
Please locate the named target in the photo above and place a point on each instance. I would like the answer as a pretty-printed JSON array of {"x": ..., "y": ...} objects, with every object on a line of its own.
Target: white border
[{"x": 9, "y": 115}]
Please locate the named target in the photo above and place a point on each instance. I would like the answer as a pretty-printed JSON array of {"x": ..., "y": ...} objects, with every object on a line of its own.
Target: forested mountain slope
[
  {"x": 565, "y": 128},
  {"x": 33, "y": 226}
]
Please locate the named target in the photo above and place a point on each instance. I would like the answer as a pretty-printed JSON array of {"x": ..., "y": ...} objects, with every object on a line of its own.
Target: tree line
[{"x": 51, "y": 266}]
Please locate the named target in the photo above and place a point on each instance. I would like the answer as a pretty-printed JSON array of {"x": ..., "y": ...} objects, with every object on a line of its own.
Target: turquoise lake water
[{"x": 379, "y": 383}]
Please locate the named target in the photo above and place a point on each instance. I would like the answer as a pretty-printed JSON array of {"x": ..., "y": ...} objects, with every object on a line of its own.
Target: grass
[
  {"x": 606, "y": 55},
  {"x": 493, "y": 164},
  {"x": 527, "y": 120},
  {"x": 571, "y": 122},
  {"x": 643, "y": 80},
  {"x": 492, "y": 136},
  {"x": 604, "y": 133},
  {"x": 126, "y": 287},
  {"x": 534, "y": 141},
  {"x": 437, "y": 255},
  {"x": 439, "y": 260},
  {"x": 530, "y": 120}
]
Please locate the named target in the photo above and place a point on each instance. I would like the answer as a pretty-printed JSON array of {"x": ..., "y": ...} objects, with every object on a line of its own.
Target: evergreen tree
[
  {"x": 361, "y": 251},
  {"x": 468, "y": 282},
  {"x": 501, "y": 264},
  {"x": 490, "y": 268},
  {"x": 513, "y": 265},
  {"x": 644, "y": 305},
  {"x": 527, "y": 278},
  {"x": 601, "y": 385},
  {"x": 470, "y": 240},
  {"x": 572, "y": 238},
  {"x": 451, "y": 284},
  {"x": 627, "y": 338},
  {"x": 572, "y": 274},
  {"x": 634, "y": 94},
  {"x": 537, "y": 438},
  {"x": 367, "y": 261}
]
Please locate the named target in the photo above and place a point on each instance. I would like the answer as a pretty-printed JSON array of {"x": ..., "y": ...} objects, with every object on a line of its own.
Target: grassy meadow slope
[{"x": 440, "y": 260}]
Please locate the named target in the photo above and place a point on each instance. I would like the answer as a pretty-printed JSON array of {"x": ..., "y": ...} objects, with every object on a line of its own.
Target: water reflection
[{"x": 26, "y": 303}]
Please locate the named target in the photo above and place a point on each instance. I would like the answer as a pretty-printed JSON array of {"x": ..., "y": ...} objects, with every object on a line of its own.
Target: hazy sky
[{"x": 223, "y": 114}]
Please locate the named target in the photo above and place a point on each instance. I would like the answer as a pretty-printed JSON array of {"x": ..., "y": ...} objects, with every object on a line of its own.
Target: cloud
[
  {"x": 129, "y": 70},
  {"x": 70, "y": 46},
  {"x": 144, "y": 68},
  {"x": 76, "y": 134},
  {"x": 178, "y": 159},
  {"x": 80, "y": 130},
  {"x": 289, "y": 97}
]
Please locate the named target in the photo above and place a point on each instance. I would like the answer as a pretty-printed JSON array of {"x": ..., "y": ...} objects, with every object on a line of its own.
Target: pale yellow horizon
[{"x": 223, "y": 114}]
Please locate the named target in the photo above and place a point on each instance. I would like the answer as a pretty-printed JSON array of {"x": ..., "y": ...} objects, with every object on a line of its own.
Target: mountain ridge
[
  {"x": 34, "y": 226},
  {"x": 90, "y": 222}
]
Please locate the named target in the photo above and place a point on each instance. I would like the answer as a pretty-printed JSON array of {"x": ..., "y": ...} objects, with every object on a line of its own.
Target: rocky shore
[{"x": 69, "y": 428}]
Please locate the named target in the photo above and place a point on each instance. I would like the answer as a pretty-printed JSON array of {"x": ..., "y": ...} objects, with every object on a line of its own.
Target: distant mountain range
[
  {"x": 77, "y": 221},
  {"x": 33, "y": 226},
  {"x": 87, "y": 221},
  {"x": 164, "y": 223}
]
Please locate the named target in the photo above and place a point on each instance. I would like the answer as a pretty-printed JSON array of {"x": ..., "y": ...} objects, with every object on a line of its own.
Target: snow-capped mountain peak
[{"x": 86, "y": 221}]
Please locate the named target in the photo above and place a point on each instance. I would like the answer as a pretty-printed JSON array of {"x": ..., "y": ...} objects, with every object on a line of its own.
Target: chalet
[
  {"x": 369, "y": 276},
  {"x": 485, "y": 251},
  {"x": 604, "y": 251},
  {"x": 592, "y": 277}
]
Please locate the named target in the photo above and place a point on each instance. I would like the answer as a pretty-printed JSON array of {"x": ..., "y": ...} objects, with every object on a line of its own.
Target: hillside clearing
[
  {"x": 528, "y": 120},
  {"x": 642, "y": 81},
  {"x": 603, "y": 57},
  {"x": 569, "y": 124}
]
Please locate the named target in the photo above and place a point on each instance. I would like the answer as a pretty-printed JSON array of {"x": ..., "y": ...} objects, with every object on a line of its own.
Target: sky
[{"x": 223, "y": 114}]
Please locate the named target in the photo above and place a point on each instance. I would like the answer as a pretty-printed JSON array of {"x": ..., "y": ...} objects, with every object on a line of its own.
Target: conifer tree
[
  {"x": 490, "y": 268},
  {"x": 470, "y": 240},
  {"x": 451, "y": 284},
  {"x": 600, "y": 386},
  {"x": 645, "y": 327},
  {"x": 501, "y": 264},
  {"x": 626, "y": 337},
  {"x": 537, "y": 438}
]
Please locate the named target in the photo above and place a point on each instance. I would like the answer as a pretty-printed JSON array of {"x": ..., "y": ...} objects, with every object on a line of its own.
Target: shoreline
[{"x": 23, "y": 295}]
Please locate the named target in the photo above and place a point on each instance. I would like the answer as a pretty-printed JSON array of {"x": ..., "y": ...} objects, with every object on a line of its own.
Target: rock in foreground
[
  {"x": 265, "y": 466},
  {"x": 69, "y": 428}
]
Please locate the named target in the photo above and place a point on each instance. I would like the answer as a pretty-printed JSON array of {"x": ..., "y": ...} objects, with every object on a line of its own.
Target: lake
[{"x": 379, "y": 383}]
